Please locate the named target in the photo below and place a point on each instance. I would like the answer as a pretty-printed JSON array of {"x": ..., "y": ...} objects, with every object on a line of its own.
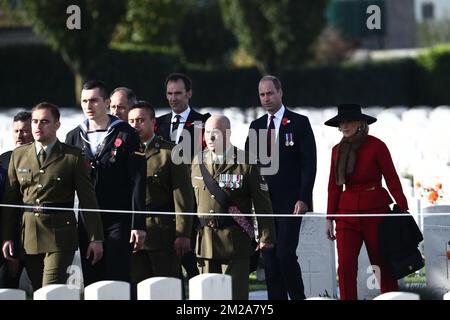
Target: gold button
[
  {"x": 39, "y": 185},
  {"x": 37, "y": 200},
  {"x": 67, "y": 222},
  {"x": 41, "y": 171},
  {"x": 211, "y": 211},
  {"x": 213, "y": 196},
  {"x": 36, "y": 214}
]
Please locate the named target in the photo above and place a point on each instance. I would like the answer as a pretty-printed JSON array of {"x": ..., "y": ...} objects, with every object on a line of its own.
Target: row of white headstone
[{"x": 202, "y": 287}]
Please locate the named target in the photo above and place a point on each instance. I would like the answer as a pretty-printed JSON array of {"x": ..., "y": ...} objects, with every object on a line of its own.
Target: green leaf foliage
[{"x": 278, "y": 33}]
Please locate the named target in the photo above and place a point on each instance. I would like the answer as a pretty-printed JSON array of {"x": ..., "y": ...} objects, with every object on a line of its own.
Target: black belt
[
  {"x": 44, "y": 207},
  {"x": 216, "y": 222}
]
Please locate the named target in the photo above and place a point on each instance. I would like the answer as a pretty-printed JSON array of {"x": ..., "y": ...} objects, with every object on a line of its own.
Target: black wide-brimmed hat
[{"x": 349, "y": 112}]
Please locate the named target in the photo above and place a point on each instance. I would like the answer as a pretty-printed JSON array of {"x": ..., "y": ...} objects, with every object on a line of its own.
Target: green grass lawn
[{"x": 255, "y": 284}]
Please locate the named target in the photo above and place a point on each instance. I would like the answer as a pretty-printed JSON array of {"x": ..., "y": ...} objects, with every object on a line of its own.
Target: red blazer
[{"x": 363, "y": 187}]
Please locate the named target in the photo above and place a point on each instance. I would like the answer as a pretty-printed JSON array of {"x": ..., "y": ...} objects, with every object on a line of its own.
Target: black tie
[
  {"x": 42, "y": 156},
  {"x": 270, "y": 129},
  {"x": 175, "y": 125}
]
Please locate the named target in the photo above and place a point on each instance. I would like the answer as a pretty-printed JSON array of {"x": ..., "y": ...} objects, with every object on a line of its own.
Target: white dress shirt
[
  {"x": 183, "y": 118},
  {"x": 278, "y": 116}
]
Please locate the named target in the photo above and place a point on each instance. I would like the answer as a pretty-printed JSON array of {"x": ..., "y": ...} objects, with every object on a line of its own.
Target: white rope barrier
[{"x": 277, "y": 215}]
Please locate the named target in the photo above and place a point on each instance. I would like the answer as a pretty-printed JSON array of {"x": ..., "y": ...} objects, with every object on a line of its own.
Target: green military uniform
[
  {"x": 226, "y": 249},
  {"x": 49, "y": 236},
  {"x": 168, "y": 190}
]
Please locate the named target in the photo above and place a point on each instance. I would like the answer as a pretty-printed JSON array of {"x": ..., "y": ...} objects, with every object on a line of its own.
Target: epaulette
[{"x": 141, "y": 150}]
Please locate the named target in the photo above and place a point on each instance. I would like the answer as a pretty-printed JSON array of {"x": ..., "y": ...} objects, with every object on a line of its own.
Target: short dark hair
[
  {"x": 22, "y": 116},
  {"x": 276, "y": 82},
  {"x": 131, "y": 96},
  {"x": 97, "y": 84},
  {"x": 141, "y": 104},
  {"x": 179, "y": 76},
  {"x": 48, "y": 106}
]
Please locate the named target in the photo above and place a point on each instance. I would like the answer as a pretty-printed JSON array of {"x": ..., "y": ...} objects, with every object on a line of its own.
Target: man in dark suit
[
  {"x": 183, "y": 126},
  {"x": 122, "y": 99},
  {"x": 291, "y": 151},
  {"x": 183, "y": 122},
  {"x": 11, "y": 271},
  {"x": 21, "y": 135},
  {"x": 117, "y": 169}
]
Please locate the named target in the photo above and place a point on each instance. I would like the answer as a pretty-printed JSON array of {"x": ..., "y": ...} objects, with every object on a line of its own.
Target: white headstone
[
  {"x": 159, "y": 288},
  {"x": 107, "y": 290},
  {"x": 316, "y": 255},
  {"x": 210, "y": 286},
  {"x": 436, "y": 235},
  {"x": 397, "y": 295},
  {"x": 57, "y": 292},
  {"x": 368, "y": 284},
  {"x": 25, "y": 283},
  {"x": 12, "y": 294}
]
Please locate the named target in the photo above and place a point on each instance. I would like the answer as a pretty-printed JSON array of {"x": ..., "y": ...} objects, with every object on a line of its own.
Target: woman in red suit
[{"x": 358, "y": 163}]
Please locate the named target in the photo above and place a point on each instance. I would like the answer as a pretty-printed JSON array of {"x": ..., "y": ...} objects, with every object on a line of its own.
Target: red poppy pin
[
  {"x": 118, "y": 142},
  {"x": 285, "y": 121},
  {"x": 188, "y": 124}
]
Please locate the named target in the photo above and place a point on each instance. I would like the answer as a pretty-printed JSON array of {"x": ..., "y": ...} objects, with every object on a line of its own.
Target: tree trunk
[{"x": 79, "y": 80}]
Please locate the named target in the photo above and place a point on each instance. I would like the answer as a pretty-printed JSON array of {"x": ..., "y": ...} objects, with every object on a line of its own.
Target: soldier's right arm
[
  {"x": 12, "y": 196},
  {"x": 88, "y": 200},
  {"x": 183, "y": 197},
  {"x": 261, "y": 201}
]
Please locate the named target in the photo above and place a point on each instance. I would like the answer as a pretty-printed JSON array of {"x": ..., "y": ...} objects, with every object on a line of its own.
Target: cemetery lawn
[{"x": 255, "y": 284}]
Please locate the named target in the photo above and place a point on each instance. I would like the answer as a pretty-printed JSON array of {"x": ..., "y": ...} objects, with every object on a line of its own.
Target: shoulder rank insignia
[{"x": 140, "y": 150}]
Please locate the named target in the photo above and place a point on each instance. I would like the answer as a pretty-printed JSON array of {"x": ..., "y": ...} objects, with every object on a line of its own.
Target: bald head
[
  {"x": 218, "y": 122},
  {"x": 216, "y": 136}
]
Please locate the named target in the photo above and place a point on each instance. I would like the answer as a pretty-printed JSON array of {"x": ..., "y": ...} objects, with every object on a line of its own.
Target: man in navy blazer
[
  {"x": 291, "y": 151},
  {"x": 182, "y": 117}
]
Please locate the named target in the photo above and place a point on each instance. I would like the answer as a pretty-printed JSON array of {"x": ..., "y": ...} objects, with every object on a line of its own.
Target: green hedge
[
  {"x": 369, "y": 84},
  {"x": 33, "y": 73}
]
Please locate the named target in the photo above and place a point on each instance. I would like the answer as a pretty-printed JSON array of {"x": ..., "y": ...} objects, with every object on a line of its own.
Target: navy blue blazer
[
  {"x": 118, "y": 171},
  {"x": 297, "y": 162}
]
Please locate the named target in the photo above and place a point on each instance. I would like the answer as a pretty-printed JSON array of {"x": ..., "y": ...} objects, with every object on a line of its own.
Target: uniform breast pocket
[
  {"x": 25, "y": 178},
  {"x": 54, "y": 182},
  {"x": 198, "y": 185},
  {"x": 155, "y": 177}
]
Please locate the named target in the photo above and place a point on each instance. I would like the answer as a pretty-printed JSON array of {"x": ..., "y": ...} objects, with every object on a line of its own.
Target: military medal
[
  {"x": 233, "y": 181},
  {"x": 221, "y": 181},
  {"x": 229, "y": 182},
  {"x": 238, "y": 180},
  {"x": 113, "y": 155},
  {"x": 289, "y": 139}
]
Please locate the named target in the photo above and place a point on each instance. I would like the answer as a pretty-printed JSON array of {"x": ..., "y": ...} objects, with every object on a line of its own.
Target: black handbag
[
  {"x": 399, "y": 237},
  {"x": 403, "y": 265}
]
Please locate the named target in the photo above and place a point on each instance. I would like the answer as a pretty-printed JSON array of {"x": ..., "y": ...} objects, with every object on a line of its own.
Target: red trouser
[{"x": 350, "y": 234}]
